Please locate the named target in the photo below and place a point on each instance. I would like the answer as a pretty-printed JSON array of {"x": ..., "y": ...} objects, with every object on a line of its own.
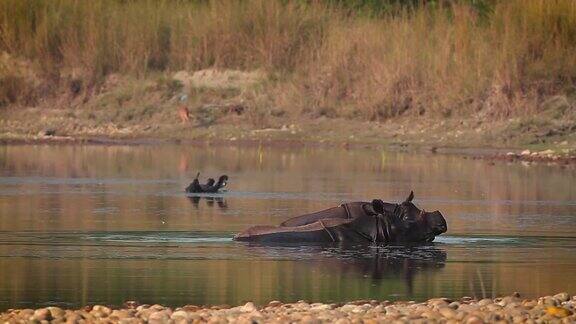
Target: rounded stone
[
  {"x": 302, "y": 306},
  {"x": 159, "y": 316},
  {"x": 529, "y": 303},
  {"x": 102, "y": 309},
  {"x": 447, "y": 312},
  {"x": 347, "y": 308},
  {"x": 178, "y": 314},
  {"x": 493, "y": 307},
  {"x": 275, "y": 303},
  {"x": 191, "y": 308},
  {"x": 85, "y": 315},
  {"x": 130, "y": 320},
  {"x": 248, "y": 307},
  {"x": 145, "y": 313},
  {"x": 460, "y": 316},
  {"x": 56, "y": 312},
  {"x": 420, "y": 308},
  {"x": 120, "y": 314},
  {"x": 98, "y": 314},
  {"x": 437, "y": 302},
  {"x": 469, "y": 308},
  {"x": 319, "y": 307},
  {"x": 548, "y": 301},
  {"x": 485, "y": 302},
  {"x": 507, "y": 300},
  {"x": 474, "y": 320},
  {"x": 562, "y": 297},
  {"x": 430, "y": 314},
  {"x": 518, "y": 319},
  {"x": 25, "y": 311},
  {"x": 42, "y": 314},
  {"x": 157, "y": 307}
]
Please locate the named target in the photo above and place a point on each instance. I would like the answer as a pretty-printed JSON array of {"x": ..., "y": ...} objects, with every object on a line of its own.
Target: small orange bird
[{"x": 183, "y": 112}]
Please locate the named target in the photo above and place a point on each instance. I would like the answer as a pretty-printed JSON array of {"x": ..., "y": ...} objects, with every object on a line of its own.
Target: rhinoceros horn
[{"x": 410, "y": 197}]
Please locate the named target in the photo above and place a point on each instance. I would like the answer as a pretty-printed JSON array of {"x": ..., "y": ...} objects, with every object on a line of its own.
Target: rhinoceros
[
  {"x": 211, "y": 186},
  {"x": 375, "y": 221}
]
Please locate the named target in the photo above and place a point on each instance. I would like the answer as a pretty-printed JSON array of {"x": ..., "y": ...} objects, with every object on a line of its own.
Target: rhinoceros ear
[
  {"x": 378, "y": 206},
  {"x": 410, "y": 197}
]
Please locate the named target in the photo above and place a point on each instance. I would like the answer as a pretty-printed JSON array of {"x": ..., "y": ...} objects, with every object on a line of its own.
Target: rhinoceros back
[
  {"x": 345, "y": 211},
  {"x": 330, "y": 225}
]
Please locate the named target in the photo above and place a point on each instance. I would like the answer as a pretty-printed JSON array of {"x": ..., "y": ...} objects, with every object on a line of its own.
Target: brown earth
[{"x": 222, "y": 109}]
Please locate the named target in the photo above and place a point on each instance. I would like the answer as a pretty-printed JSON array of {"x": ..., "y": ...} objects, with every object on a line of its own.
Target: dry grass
[
  {"x": 445, "y": 61},
  {"x": 324, "y": 60}
]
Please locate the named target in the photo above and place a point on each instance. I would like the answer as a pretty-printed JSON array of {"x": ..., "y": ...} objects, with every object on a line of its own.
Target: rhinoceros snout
[{"x": 437, "y": 223}]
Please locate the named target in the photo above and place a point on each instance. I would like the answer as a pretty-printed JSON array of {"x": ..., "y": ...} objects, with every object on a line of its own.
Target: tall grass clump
[
  {"x": 444, "y": 59},
  {"x": 101, "y": 37},
  {"x": 346, "y": 58}
]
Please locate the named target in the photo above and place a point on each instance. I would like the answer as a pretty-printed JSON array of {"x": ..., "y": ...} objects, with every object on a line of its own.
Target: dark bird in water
[{"x": 211, "y": 185}]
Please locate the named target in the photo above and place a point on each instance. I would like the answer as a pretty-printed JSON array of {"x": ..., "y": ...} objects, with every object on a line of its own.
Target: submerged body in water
[{"x": 376, "y": 222}]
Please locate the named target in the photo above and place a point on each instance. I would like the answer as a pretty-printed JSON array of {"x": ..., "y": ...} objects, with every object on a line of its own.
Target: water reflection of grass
[{"x": 443, "y": 182}]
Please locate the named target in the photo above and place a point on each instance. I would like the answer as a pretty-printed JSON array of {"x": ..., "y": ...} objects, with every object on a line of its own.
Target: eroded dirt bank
[{"x": 216, "y": 107}]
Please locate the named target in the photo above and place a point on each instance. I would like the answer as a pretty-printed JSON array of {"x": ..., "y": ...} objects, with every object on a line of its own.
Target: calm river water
[{"x": 97, "y": 224}]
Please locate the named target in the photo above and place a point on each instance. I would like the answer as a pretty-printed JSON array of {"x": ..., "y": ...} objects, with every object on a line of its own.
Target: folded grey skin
[{"x": 375, "y": 221}]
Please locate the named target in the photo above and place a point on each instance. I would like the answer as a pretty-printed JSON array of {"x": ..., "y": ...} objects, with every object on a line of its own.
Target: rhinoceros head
[
  {"x": 415, "y": 224},
  {"x": 420, "y": 225}
]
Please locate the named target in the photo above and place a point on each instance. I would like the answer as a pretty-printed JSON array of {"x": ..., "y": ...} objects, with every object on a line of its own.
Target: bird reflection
[
  {"x": 220, "y": 201},
  {"x": 369, "y": 261}
]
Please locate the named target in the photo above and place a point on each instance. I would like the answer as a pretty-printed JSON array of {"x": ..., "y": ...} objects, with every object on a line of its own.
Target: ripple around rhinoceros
[
  {"x": 180, "y": 245},
  {"x": 159, "y": 237},
  {"x": 226, "y": 237},
  {"x": 202, "y": 237}
]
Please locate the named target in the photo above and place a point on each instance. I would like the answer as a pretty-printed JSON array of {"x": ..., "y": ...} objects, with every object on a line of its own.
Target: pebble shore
[
  {"x": 559, "y": 308},
  {"x": 565, "y": 156}
]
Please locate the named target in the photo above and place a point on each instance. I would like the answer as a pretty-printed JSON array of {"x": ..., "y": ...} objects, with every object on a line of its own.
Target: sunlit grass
[{"x": 326, "y": 60}]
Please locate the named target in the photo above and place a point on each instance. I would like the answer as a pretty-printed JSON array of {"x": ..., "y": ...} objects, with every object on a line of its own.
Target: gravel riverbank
[{"x": 559, "y": 308}]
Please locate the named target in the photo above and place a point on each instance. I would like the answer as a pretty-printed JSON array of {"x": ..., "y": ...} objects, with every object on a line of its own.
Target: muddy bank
[
  {"x": 369, "y": 136},
  {"x": 509, "y": 309},
  {"x": 214, "y": 107}
]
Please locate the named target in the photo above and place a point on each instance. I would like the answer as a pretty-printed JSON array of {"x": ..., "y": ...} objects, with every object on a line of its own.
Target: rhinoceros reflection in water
[
  {"x": 355, "y": 222},
  {"x": 376, "y": 262}
]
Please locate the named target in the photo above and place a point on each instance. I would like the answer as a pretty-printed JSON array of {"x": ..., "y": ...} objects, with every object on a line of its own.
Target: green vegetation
[{"x": 363, "y": 59}]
